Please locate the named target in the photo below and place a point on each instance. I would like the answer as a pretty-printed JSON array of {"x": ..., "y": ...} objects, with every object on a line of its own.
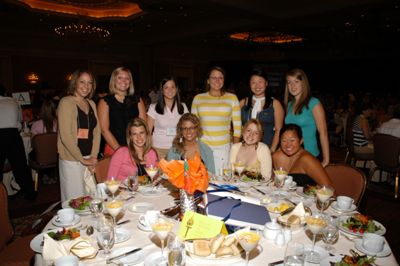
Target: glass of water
[
  {"x": 176, "y": 252},
  {"x": 330, "y": 233},
  {"x": 105, "y": 236},
  {"x": 96, "y": 205},
  {"x": 294, "y": 254}
]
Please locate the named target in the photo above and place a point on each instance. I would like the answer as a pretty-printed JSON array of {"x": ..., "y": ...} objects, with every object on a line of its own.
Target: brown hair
[
  {"x": 48, "y": 114},
  {"x": 258, "y": 125},
  {"x": 177, "y": 143},
  {"x": 114, "y": 74},
  {"x": 138, "y": 122},
  {"x": 217, "y": 68},
  {"x": 74, "y": 79},
  {"x": 306, "y": 91}
]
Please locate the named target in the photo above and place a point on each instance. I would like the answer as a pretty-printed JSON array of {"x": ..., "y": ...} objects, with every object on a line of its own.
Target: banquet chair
[
  {"x": 386, "y": 156},
  {"x": 101, "y": 169},
  {"x": 347, "y": 181},
  {"x": 12, "y": 252},
  {"x": 351, "y": 156},
  {"x": 45, "y": 154}
]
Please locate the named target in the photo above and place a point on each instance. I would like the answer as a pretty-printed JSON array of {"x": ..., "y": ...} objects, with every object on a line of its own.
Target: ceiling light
[
  {"x": 266, "y": 38},
  {"x": 80, "y": 29}
]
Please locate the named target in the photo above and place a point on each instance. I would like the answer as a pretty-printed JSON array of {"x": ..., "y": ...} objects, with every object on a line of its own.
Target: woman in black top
[{"x": 118, "y": 108}]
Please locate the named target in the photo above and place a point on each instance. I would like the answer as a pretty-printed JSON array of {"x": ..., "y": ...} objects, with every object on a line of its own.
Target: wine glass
[
  {"x": 114, "y": 207},
  {"x": 316, "y": 224},
  {"x": 161, "y": 227},
  {"x": 132, "y": 182},
  {"x": 324, "y": 194},
  {"x": 113, "y": 185},
  {"x": 294, "y": 254},
  {"x": 96, "y": 205},
  {"x": 226, "y": 172},
  {"x": 105, "y": 236},
  {"x": 239, "y": 167},
  {"x": 176, "y": 253},
  {"x": 330, "y": 233},
  {"x": 248, "y": 240}
]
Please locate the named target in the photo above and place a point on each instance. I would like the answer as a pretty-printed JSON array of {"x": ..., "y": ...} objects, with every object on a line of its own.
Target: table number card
[{"x": 195, "y": 225}]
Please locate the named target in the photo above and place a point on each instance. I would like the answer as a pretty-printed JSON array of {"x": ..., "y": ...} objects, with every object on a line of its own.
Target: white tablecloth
[{"x": 270, "y": 252}]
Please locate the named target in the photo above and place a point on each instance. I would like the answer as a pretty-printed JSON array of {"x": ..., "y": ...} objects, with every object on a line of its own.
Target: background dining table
[{"x": 266, "y": 253}]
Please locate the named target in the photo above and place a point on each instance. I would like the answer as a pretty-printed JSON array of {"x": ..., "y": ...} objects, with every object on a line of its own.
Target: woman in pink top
[{"x": 132, "y": 160}]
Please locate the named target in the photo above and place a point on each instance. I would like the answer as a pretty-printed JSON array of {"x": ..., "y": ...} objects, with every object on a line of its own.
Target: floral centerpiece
[{"x": 187, "y": 175}]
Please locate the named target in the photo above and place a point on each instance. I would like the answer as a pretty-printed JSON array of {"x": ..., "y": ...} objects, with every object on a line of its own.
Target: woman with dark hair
[
  {"x": 253, "y": 154},
  {"x": 299, "y": 163},
  {"x": 307, "y": 112},
  {"x": 164, "y": 115},
  {"x": 361, "y": 130},
  {"x": 187, "y": 144},
  {"x": 216, "y": 110},
  {"x": 78, "y": 134},
  {"x": 118, "y": 108},
  {"x": 47, "y": 119},
  {"x": 259, "y": 105},
  {"x": 132, "y": 160}
]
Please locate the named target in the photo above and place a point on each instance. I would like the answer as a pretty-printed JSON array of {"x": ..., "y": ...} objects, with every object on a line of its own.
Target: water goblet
[
  {"x": 249, "y": 241},
  {"x": 96, "y": 205},
  {"x": 294, "y": 254},
  {"x": 133, "y": 182},
  {"x": 176, "y": 253},
  {"x": 330, "y": 233},
  {"x": 315, "y": 224},
  {"x": 324, "y": 195},
  {"x": 161, "y": 227},
  {"x": 105, "y": 237},
  {"x": 113, "y": 185}
]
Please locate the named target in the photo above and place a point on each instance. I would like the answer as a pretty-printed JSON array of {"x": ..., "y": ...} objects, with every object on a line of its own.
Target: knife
[
  {"x": 123, "y": 255},
  {"x": 259, "y": 191}
]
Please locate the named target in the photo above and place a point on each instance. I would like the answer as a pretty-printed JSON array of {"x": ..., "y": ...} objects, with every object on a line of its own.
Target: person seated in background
[
  {"x": 187, "y": 143},
  {"x": 362, "y": 133},
  {"x": 131, "y": 160},
  {"x": 392, "y": 127},
  {"x": 252, "y": 153},
  {"x": 47, "y": 119},
  {"x": 299, "y": 163}
]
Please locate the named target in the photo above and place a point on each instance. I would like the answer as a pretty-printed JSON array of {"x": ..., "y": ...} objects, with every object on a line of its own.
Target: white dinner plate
[
  {"x": 141, "y": 207},
  {"x": 57, "y": 223},
  {"x": 121, "y": 235},
  {"x": 153, "y": 192},
  {"x": 131, "y": 259},
  {"x": 65, "y": 204},
  {"x": 385, "y": 252},
  {"x": 37, "y": 242},
  {"x": 335, "y": 206},
  {"x": 343, "y": 219}
]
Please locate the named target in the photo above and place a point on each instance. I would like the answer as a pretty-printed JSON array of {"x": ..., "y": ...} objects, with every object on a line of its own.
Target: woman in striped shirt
[
  {"x": 361, "y": 131},
  {"x": 217, "y": 109}
]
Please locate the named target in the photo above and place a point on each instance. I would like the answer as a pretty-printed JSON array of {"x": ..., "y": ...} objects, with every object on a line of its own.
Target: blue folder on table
[{"x": 237, "y": 212}]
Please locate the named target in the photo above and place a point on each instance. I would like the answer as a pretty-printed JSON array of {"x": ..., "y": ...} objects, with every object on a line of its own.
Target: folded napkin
[
  {"x": 89, "y": 181},
  {"x": 298, "y": 210},
  {"x": 80, "y": 247}
]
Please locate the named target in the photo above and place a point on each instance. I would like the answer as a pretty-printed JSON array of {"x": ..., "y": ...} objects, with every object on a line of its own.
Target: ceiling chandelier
[
  {"x": 266, "y": 38},
  {"x": 82, "y": 29}
]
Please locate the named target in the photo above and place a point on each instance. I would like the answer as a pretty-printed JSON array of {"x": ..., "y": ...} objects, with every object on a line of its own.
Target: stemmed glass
[
  {"x": 151, "y": 170},
  {"x": 226, "y": 172},
  {"x": 105, "y": 236},
  {"x": 113, "y": 185},
  {"x": 132, "y": 182},
  {"x": 114, "y": 207},
  {"x": 161, "y": 227},
  {"x": 249, "y": 241},
  {"x": 316, "y": 224},
  {"x": 294, "y": 254},
  {"x": 280, "y": 175},
  {"x": 324, "y": 194},
  {"x": 239, "y": 167},
  {"x": 331, "y": 233},
  {"x": 96, "y": 205}
]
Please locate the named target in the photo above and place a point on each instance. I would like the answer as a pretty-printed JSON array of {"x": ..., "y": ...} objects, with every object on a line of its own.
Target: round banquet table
[{"x": 270, "y": 252}]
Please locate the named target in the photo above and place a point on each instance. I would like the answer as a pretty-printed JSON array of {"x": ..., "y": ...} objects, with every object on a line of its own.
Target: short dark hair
[{"x": 291, "y": 127}]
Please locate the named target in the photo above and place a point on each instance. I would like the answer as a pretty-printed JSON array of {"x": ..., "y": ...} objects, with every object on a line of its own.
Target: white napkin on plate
[
  {"x": 298, "y": 210},
  {"x": 80, "y": 247}
]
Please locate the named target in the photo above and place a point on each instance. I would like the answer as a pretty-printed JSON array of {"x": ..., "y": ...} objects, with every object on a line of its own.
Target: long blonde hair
[
  {"x": 178, "y": 142},
  {"x": 138, "y": 122},
  {"x": 114, "y": 74}
]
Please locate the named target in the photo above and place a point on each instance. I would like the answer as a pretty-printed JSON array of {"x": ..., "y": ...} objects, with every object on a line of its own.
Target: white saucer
[
  {"x": 385, "y": 252},
  {"x": 336, "y": 207},
  {"x": 323, "y": 254},
  {"x": 121, "y": 235},
  {"x": 141, "y": 207},
  {"x": 144, "y": 228},
  {"x": 76, "y": 220},
  {"x": 131, "y": 259},
  {"x": 153, "y": 192},
  {"x": 152, "y": 259}
]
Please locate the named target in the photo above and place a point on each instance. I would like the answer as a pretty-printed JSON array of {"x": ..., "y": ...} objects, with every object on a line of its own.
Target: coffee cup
[
  {"x": 373, "y": 242},
  {"x": 288, "y": 181},
  {"x": 344, "y": 202},
  {"x": 149, "y": 217},
  {"x": 66, "y": 216},
  {"x": 68, "y": 260}
]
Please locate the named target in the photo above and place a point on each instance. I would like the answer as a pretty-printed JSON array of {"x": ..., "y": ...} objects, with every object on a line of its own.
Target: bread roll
[
  {"x": 216, "y": 242},
  {"x": 294, "y": 219},
  {"x": 229, "y": 241},
  {"x": 201, "y": 247},
  {"x": 224, "y": 251}
]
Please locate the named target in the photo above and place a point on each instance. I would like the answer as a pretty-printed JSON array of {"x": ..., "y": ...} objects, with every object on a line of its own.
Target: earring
[{"x": 180, "y": 140}]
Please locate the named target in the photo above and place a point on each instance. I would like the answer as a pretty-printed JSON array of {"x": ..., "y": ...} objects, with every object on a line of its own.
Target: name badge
[
  {"x": 83, "y": 133},
  {"x": 171, "y": 131}
]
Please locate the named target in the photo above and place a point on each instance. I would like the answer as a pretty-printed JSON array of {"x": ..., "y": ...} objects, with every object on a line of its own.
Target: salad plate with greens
[
  {"x": 81, "y": 205},
  {"x": 358, "y": 224}
]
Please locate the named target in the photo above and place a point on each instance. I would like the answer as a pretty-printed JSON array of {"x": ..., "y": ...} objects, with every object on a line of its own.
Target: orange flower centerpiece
[{"x": 187, "y": 175}]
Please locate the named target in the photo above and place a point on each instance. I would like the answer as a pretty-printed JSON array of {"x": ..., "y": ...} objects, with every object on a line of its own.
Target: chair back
[
  {"x": 101, "y": 169},
  {"x": 386, "y": 152},
  {"x": 45, "y": 147},
  {"x": 6, "y": 230},
  {"x": 347, "y": 181}
]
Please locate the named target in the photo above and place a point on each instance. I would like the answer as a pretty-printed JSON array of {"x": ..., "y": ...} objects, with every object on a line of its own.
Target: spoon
[{"x": 89, "y": 230}]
